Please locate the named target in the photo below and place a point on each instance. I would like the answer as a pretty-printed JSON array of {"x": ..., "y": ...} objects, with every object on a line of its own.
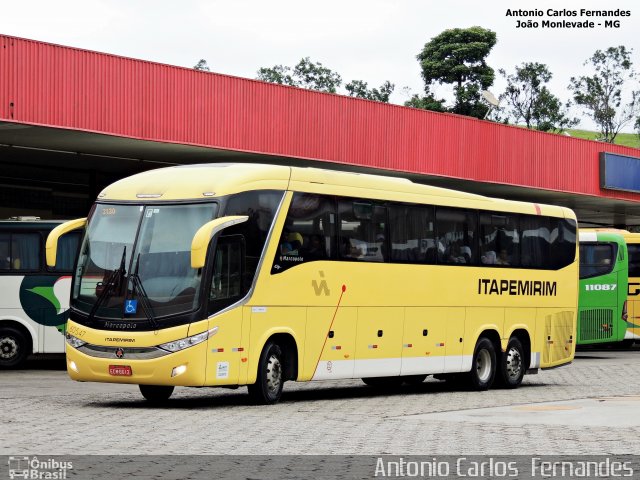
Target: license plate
[{"x": 120, "y": 370}]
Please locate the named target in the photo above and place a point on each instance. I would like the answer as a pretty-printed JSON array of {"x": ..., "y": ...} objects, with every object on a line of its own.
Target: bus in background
[
  {"x": 633, "y": 298},
  {"x": 34, "y": 298},
  {"x": 246, "y": 274},
  {"x": 633, "y": 294},
  {"x": 602, "y": 303}
]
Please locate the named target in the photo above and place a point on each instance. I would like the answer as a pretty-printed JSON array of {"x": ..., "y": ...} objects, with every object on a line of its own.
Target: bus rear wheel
[
  {"x": 156, "y": 393},
  {"x": 268, "y": 387},
  {"x": 483, "y": 365},
  {"x": 512, "y": 367},
  {"x": 13, "y": 347}
]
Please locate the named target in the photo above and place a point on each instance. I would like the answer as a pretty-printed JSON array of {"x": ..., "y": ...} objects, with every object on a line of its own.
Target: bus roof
[
  {"x": 587, "y": 235},
  {"x": 202, "y": 181},
  {"x": 17, "y": 224},
  {"x": 629, "y": 237}
]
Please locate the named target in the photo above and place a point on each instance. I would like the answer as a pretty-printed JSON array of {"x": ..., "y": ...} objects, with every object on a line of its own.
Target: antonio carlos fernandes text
[{"x": 465, "y": 467}]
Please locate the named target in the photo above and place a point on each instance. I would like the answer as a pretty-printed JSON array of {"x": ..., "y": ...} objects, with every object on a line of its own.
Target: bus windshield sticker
[
  {"x": 222, "y": 370},
  {"x": 130, "y": 307}
]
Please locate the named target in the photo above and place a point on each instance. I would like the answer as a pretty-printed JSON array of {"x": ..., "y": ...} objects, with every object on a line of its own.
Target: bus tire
[
  {"x": 483, "y": 365},
  {"x": 268, "y": 387},
  {"x": 14, "y": 347},
  {"x": 156, "y": 393},
  {"x": 512, "y": 368}
]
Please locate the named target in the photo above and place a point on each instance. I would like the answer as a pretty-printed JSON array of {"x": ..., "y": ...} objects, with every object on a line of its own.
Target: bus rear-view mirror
[
  {"x": 51, "y": 247},
  {"x": 205, "y": 233}
]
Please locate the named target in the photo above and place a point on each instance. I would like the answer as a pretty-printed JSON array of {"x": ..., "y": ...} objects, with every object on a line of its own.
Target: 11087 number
[{"x": 604, "y": 286}]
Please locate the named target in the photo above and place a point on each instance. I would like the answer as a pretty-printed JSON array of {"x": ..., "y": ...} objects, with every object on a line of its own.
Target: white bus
[{"x": 34, "y": 298}]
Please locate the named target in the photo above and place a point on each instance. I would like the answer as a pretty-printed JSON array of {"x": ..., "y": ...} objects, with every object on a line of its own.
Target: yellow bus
[
  {"x": 244, "y": 274},
  {"x": 633, "y": 298}
]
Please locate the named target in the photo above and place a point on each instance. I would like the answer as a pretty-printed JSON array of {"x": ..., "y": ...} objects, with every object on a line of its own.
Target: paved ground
[{"x": 560, "y": 411}]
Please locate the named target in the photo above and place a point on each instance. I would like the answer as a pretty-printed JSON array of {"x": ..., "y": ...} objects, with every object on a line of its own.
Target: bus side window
[
  {"x": 562, "y": 242},
  {"x": 228, "y": 270},
  {"x": 634, "y": 259},
  {"x": 499, "y": 239},
  {"x": 308, "y": 233},
  {"x": 456, "y": 236},
  {"x": 363, "y": 230},
  {"x": 260, "y": 206},
  {"x": 25, "y": 251},
  {"x": 546, "y": 242},
  {"x": 5, "y": 251},
  {"x": 536, "y": 241},
  {"x": 412, "y": 235}
]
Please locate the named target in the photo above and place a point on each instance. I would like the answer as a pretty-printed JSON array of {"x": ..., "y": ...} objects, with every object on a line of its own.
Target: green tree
[
  {"x": 277, "y": 74},
  {"x": 637, "y": 126},
  {"x": 530, "y": 101},
  {"x": 202, "y": 66},
  {"x": 608, "y": 95},
  {"x": 457, "y": 57},
  {"x": 426, "y": 102},
  {"x": 306, "y": 74},
  {"x": 315, "y": 76},
  {"x": 359, "y": 89}
]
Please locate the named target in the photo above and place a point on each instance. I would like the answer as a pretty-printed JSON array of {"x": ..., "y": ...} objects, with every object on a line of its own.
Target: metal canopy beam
[{"x": 69, "y": 157}]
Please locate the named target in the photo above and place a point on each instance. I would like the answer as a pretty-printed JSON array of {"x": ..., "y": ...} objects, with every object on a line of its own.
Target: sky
[{"x": 370, "y": 40}]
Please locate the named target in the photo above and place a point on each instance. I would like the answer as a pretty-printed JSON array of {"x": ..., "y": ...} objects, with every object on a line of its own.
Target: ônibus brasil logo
[
  {"x": 31, "y": 467},
  {"x": 42, "y": 299}
]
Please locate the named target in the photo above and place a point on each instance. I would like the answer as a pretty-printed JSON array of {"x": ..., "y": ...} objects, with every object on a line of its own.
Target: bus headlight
[
  {"x": 183, "y": 343},
  {"x": 74, "y": 341}
]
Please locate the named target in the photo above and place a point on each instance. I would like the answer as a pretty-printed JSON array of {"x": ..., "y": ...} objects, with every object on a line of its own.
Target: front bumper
[{"x": 152, "y": 371}]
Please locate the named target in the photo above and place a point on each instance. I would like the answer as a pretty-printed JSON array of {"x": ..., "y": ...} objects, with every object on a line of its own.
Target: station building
[{"x": 72, "y": 121}]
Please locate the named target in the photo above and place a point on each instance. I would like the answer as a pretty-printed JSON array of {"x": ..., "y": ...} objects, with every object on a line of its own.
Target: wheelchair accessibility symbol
[{"x": 130, "y": 306}]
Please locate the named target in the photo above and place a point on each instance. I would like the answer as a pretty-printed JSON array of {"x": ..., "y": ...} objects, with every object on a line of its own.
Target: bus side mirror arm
[
  {"x": 51, "y": 248},
  {"x": 205, "y": 233}
]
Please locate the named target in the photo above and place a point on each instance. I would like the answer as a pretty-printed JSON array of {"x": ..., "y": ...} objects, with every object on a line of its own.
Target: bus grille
[{"x": 596, "y": 324}]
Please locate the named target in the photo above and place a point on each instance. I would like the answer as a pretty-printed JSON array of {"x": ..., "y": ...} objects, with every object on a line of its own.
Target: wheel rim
[
  {"x": 274, "y": 374},
  {"x": 514, "y": 363},
  {"x": 8, "y": 348},
  {"x": 483, "y": 365}
]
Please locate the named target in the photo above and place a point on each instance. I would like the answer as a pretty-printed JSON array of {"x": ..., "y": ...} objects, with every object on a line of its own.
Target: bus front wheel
[
  {"x": 156, "y": 393},
  {"x": 512, "y": 366},
  {"x": 268, "y": 387},
  {"x": 13, "y": 347},
  {"x": 483, "y": 365}
]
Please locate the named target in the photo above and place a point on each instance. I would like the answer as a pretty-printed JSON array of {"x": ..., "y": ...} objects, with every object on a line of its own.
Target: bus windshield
[
  {"x": 135, "y": 261},
  {"x": 597, "y": 259}
]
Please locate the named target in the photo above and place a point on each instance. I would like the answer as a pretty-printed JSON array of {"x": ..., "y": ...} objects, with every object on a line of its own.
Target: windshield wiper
[
  {"x": 141, "y": 293},
  {"x": 113, "y": 280}
]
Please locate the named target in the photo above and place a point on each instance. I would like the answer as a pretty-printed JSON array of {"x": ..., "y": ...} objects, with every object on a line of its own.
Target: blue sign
[
  {"x": 130, "y": 307},
  {"x": 619, "y": 172}
]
